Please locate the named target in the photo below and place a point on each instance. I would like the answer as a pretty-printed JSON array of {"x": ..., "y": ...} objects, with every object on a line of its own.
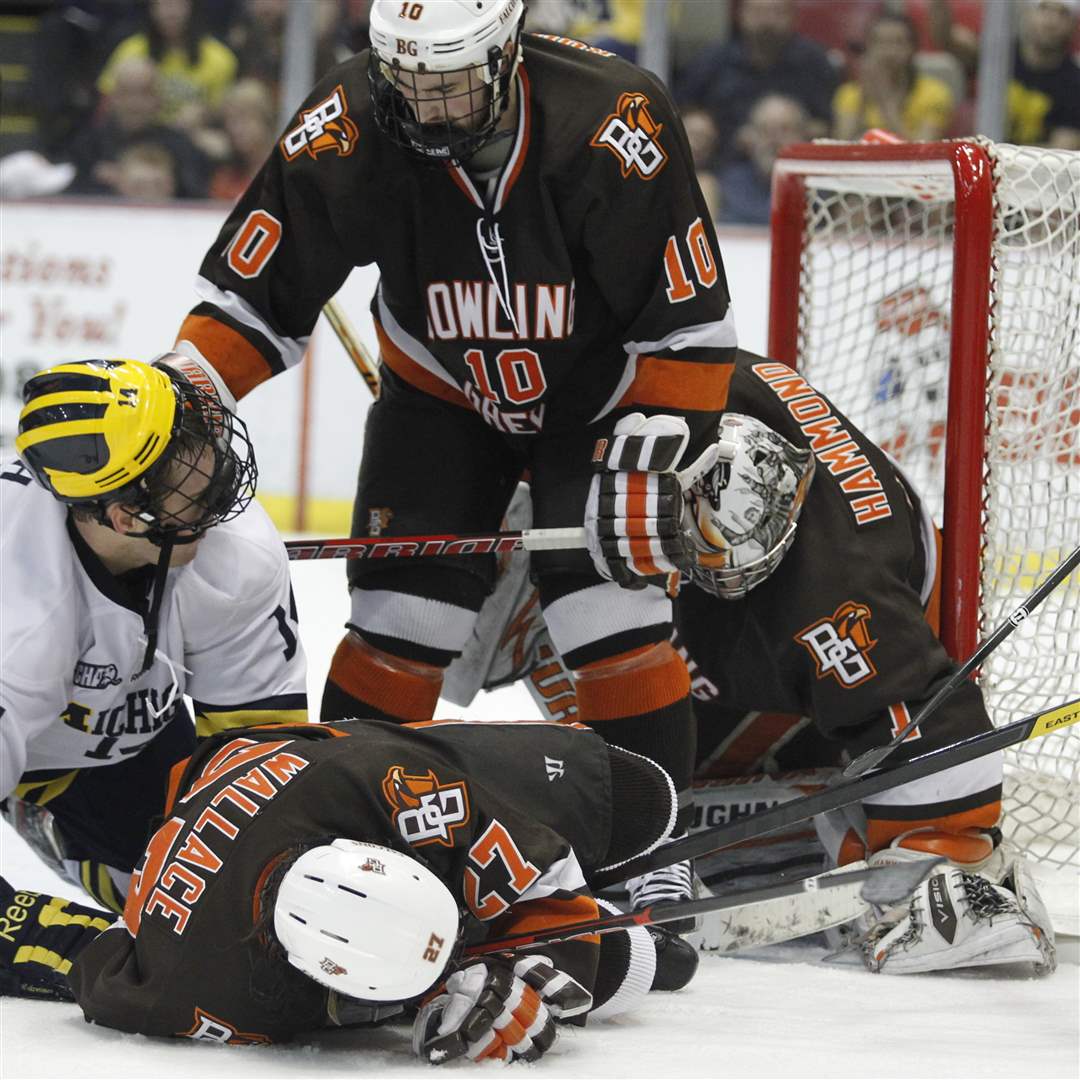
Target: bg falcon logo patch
[
  {"x": 632, "y": 135},
  {"x": 325, "y": 126},
  {"x": 424, "y": 810},
  {"x": 841, "y": 643}
]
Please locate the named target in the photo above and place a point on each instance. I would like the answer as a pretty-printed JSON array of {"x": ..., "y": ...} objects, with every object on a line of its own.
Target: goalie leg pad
[{"x": 958, "y": 919}]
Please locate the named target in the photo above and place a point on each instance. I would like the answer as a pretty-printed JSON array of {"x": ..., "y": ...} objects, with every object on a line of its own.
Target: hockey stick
[
  {"x": 408, "y": 547},
  {"x": 880, "y": 885},
  {"x": 844, "y": 792},
  {"x": 362, "y": 360},
  {"x": 872, "y": 758}
]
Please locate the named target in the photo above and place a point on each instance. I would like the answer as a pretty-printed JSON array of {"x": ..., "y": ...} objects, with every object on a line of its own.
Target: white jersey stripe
[{"x": 291, "y": 350}]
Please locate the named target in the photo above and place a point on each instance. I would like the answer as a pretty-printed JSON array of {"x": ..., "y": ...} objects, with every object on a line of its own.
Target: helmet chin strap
[{"x": 150, "y": 619}]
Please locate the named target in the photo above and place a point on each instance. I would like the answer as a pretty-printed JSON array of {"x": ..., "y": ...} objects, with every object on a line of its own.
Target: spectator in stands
[
  {"x": 1044, "y": 95},
  {"x": 130, "y": 117},
  {"x": 145, "y": 172},
  {"x": 704, "y": 142},
  {"x": 196, "y": 69},
  {"x": 745, "y": 185},
  {"x": 247, "y": 115},
  {"x": 258, "y": 37},
  {"x": 765, "y": 57},
  {"x": 889, "y": 92}
]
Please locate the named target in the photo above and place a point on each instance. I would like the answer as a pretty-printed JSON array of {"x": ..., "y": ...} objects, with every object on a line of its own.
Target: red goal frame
[{"x": 970, "y": 337}]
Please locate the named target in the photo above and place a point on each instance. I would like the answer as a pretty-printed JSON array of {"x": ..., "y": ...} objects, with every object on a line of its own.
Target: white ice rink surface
[{"x": 778, "y": 1012}]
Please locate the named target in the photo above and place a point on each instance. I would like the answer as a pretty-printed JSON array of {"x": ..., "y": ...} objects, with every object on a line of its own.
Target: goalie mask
[
  {"x": 441, "y": 71},
  {"x": 366, "y": 921},
  {"x": 745, "y": 508},
  {"x": 97, "y": 432}
]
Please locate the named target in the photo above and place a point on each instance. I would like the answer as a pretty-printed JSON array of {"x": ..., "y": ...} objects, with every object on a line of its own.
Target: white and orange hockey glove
[
  {"x": 498, "y": 1009},
  {"x": 635, "y": 523}
]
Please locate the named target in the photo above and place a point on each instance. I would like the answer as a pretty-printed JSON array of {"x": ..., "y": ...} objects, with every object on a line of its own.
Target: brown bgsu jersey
[
  {"x": 583, "y": 279},
  {"x": 507, "y": 815},
  {"x": 843, "y": 630}
]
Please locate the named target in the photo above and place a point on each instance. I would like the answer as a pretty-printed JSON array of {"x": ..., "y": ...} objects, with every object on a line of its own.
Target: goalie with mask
[{"x": 808, "y": 616}]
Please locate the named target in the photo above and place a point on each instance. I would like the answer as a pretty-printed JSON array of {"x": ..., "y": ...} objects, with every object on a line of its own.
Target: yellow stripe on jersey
[
  {"x": 39, "y": 792},
  {"x": 211, "y": 723}
]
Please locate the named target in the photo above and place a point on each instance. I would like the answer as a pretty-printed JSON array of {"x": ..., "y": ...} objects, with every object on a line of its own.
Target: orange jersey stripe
[
  {"x": 235, "y": 359},
  {"x": 933, "y": 605},
  {"x": 679, "y": 384},
  {"x": 415, "y": 374},
  {"x": 526, "y": 105},
  {"x": 631, "y": 684}
]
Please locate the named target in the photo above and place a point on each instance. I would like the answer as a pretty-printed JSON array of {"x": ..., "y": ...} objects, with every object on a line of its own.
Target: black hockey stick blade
[
  {"x": 872, "y": 758},
  {"x": 896, "y": 882},
  {"x": 884, "y": 885},
  {"x": 842, "y": 793}
]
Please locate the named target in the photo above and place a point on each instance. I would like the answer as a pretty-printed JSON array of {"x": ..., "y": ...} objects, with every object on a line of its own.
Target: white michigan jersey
[{"x": 72, "y": 642}]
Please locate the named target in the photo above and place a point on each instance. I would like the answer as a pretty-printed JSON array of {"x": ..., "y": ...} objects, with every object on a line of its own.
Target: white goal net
[{"x": 933, "y": 292}]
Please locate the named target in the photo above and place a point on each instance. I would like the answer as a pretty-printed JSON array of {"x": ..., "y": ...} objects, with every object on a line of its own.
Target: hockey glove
[
  {"x": 634, "y": 516},
  {"x": 200, "y": 373},
  {"x": 39, "y": 937},
  {"x": 493, "y": 1009}
]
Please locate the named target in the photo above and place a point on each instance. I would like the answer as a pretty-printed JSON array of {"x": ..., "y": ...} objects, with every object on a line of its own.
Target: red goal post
[{"x": 933, "y": 291}]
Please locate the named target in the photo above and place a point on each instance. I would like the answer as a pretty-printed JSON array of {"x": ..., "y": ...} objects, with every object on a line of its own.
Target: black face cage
[
  {"x": 202, "y": 490},
  {"x": 443, "y": 141}
]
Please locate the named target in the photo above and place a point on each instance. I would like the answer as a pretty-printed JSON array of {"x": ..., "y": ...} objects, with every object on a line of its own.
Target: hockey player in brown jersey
[
  {"x": 320, "y": 875},
  {"x": 551, "y": 299}
]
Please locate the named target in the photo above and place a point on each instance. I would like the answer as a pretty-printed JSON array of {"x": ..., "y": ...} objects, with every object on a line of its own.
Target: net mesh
[{"x": 875, "y": 321}]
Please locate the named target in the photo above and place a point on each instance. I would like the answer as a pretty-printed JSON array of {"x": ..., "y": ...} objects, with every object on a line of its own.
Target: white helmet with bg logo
[
  {"x": 367, "y": 921},
  {"x": 745, "y": 508},
  {"x": 441, "y": 71}
]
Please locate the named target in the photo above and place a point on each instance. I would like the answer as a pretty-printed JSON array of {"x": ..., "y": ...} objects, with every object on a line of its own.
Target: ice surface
[{"x": 778, "y": 1012}]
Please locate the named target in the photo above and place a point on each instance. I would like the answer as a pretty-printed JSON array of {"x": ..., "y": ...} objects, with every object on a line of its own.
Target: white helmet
[
  {"x": 745, "y": 508},
  {"x": 365, "y": 920},
  {"x": 474, "y": 44}
]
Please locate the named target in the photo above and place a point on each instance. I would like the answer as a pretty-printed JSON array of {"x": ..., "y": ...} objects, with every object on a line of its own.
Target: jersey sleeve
[
  {"x": 653, "y": 251},
  {"x": 278, "y": 257},
  {"x": 242, "y": 641},
  {"x": 38, "y": 628}
]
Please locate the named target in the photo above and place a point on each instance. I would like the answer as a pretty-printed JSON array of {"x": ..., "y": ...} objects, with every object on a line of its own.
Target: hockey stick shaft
[
  {"x": 889, "y": 885},
  {"x": 362, "y": 360},
  {"x": 873, "y": 758},
  {"x": 411, "y": 547},
  {"x": 844, "y": 792}
]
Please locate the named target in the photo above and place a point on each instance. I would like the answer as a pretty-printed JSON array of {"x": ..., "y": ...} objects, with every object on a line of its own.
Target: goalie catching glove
[
  {"x": 39, "y": 938},
  {"x": 635, "y": 514},
  {"x": 498, "y": 1008}
]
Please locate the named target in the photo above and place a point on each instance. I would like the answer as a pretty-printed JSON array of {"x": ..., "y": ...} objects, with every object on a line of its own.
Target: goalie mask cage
[{"x": 932, "y": 290}]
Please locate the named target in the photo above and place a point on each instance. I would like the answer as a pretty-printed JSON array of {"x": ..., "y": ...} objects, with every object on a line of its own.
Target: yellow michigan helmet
[{"x": 94, "y": 432}]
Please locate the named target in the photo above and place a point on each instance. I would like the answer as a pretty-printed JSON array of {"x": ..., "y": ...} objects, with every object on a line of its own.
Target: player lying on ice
[
  {"x": 317, "y": 875},
  {"x": 834, "y": 621},
  {"x": 135, "y": 570}
]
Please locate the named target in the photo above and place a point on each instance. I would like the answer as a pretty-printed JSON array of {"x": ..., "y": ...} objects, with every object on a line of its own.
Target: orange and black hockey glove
[
  {"x": 498, "y": 1008},
  {"x": 635, "y": 515}
]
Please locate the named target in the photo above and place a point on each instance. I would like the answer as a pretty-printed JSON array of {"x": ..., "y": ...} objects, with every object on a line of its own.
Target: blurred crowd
[{"x": 162, "y": 99}]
